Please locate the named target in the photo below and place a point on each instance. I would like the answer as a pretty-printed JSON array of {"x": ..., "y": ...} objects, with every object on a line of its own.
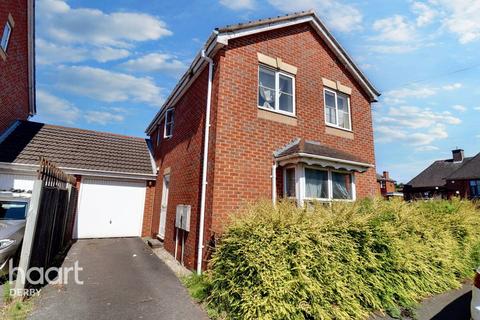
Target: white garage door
[{"x": 110, "y": 208}]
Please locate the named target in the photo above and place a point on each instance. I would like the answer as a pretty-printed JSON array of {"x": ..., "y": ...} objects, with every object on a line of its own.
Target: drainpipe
[
  {"x": 274, "y": 182},
  {"x": 205, "y": 163}
]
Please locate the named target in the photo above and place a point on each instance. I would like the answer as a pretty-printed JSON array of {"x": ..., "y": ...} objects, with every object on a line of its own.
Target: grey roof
[
  {"x": 435, "y": 175},
  {"x": 470, "y": 170},
  {"x": 382, "y": 178},
  {"x": 75, "y": 148},
  {"x": 315, "y": 148}
]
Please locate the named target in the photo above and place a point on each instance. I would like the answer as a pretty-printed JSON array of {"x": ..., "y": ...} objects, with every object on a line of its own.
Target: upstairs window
[
  {"x": 7, "y": 30},
  {"x": 276, "y": 91},
  {"x": 169, "y": 118},
  {"x": 337, "y": 109},
  {"x": 158, "y": 136}
]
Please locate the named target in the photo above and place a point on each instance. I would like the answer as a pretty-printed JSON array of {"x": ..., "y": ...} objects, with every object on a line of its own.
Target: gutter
[
  {"x": 32, "y": 109},
  {"x": 205, "y": 57}
]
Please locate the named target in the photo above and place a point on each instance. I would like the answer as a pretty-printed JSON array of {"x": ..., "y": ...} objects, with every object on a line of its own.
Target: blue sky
[{"x": 108, "y": 65}]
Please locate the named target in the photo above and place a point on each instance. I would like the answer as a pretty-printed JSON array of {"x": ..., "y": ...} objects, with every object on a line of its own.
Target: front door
[{"x": 163, "y": 208}]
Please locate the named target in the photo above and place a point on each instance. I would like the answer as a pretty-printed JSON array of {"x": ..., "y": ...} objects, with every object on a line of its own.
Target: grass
[
  {"x": 338, "y": 262},
  {"x": 14, "y": 308}
]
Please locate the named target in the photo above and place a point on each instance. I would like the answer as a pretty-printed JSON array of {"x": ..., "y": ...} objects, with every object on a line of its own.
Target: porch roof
[{"x": 314, "y": 153}]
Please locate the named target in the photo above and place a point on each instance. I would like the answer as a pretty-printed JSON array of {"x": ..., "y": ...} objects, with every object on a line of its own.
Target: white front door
[{"x": 163, "y": 208}]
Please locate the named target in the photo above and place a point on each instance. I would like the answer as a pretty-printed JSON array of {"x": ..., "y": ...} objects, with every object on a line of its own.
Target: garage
[
  {"x": 110, "y": 208},
  {"x": 115, "y": 174}
]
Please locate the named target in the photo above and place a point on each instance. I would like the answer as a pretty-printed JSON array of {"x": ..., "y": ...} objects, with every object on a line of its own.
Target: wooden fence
[{"x": 50, "y": 220}]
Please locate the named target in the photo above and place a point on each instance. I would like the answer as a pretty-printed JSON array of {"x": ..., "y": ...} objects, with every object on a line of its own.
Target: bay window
[
  {"x": 276, "y": 91},
  {"x": 337, "y": 109},
  {"x": 318, "y": 183}
]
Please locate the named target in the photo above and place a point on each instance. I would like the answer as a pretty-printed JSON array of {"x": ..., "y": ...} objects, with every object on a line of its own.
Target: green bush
[{"x": 341, "y": 261}]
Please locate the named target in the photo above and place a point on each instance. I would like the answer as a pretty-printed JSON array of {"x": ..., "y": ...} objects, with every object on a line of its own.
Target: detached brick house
[
  {"x": 459, "y": 176},
  {"x": 17, "y": 61},
  {"x": 284, "y": 112},
  {"x": 386, "y": 185}
]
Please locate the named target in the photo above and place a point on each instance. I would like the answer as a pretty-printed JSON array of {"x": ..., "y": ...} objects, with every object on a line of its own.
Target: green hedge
[{"x": 341, "y": 261}]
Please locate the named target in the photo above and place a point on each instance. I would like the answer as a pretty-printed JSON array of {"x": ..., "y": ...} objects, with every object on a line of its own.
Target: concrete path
[{"x": 123, "y": 279}]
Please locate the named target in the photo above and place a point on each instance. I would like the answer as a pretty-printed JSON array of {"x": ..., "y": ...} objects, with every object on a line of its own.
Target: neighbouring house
[
  {"x": 386, "y": 186},
  {"x": 17, "y": 61},
  {"x": 115, "y": 174},
  {"x": 269, "y": 109},
  {"x": 459, "y": 176}
]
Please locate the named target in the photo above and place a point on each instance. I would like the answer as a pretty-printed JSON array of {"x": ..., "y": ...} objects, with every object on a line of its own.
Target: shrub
[{"x": 341, "y": 261}]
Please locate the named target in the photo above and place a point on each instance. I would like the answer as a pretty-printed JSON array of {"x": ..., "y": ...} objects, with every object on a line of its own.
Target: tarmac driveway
[{"x": 123, "y": 279}]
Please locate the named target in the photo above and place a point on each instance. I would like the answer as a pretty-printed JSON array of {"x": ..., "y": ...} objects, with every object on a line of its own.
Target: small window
[
  {"x": 276, "y": 91},
  {"x": 158, "y": 137},
  {"x": 169, "y": 115},
  {"x": 7, "y": 30},
  {"x": 337, "y": 109},
  {"x": 290, "y": 182}
]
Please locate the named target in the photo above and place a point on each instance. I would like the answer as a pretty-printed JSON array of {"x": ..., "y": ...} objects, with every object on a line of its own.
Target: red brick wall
[
  {"x": 241, "y": 145},
  {"x": 244, "y": 142},
  {"x": 182, "y": 155},
  {"x": 14, "y": 70},
  {"x": 148, "y": 210}
]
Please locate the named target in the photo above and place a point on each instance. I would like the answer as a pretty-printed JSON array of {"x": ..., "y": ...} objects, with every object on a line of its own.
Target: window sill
[
  {"x": 273, "y": 115},
  {"x": 337, "y": 127},
  {"x": 339, "y": 132},
  {"x": 283, "y": 113}
]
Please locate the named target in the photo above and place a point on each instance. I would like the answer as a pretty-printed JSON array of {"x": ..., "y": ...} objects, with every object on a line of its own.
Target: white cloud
[
  {"x": 107, "y": 54},
  {"x": 452, "y": 86},
  {"x": 108, "y": 86},
  {"x": 337, "y": 14},
  {"x": 461, "y": 18},
  {"x": 415, "y": 126},
  {"x": 156, "y": 62},
  {"x": 426, "y": 148},
  {"x": 425, "y": 13},
  {"x": 398, "y": 96},
  {"x": 94, "y": 27},
  {"x": 477, "y": 108},
  {"x": 393, "y": 49},
  {"x": 52, "y": 107},
  {"x": 52, "y": 53},
  {"x": 238, "y": 4},
  {"x": 104, "y": 117},
  {"x": 459, "y": 108},
  {"x": 394, "y": 29}
]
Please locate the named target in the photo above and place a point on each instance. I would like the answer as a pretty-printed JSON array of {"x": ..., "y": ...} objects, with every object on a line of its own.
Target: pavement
[
  {"x": 451, "y": 305},
  {"x": 123, "y": 279}
]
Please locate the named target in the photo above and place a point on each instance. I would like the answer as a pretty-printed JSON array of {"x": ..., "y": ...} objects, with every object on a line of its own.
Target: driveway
[{"x": 123, "y": 279}]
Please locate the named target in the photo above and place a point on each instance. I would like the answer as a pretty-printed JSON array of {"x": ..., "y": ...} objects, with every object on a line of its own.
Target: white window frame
[
  {"x": 10, "y": 28},
  {"x": 171, "y": 110},
  {"x": 335, "y": 125},
  {"x": 277, "y": 91},
  {"x": 300, "y": 186}
]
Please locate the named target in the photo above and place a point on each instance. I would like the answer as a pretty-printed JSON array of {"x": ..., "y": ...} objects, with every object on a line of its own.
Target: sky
[{"x": 109, "y": 65}]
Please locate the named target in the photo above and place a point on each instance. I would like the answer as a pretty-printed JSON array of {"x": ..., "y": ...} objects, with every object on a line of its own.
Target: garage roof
[{"x": 26, "y": 141}]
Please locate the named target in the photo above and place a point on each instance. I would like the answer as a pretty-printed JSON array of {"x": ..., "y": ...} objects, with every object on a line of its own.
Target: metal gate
[{"x": 50, "y": 220}]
